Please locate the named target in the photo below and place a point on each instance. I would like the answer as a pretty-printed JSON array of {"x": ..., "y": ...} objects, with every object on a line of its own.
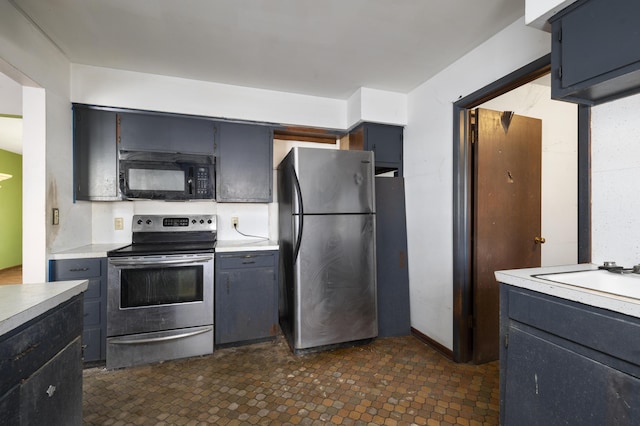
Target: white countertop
[
  {"x": 223, "y": 246},
  {"x": 581, "y": 283},
  {"x": 88, "y": 251},
  {"x": 20, "y": 303}
]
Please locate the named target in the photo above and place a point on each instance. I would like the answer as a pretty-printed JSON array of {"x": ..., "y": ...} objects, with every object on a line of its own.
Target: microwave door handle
[{"x": 190, "y": 180}]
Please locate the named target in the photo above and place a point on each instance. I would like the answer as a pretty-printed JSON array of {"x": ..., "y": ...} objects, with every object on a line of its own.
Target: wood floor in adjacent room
[
  {"x": 11, "y": 275},
  {"x": 391, "y": 381}
]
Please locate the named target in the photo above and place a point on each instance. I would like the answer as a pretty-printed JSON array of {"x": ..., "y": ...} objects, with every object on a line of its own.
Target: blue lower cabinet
[
  {"x": 94, "y": 334},
  {"x": 246, "y": 297}
]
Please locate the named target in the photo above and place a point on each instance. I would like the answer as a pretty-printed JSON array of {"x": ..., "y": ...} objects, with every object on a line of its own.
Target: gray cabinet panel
[
  {"x": 246, "y": 300},
  {"x": 244, "y": 163},
  {"x": 166, "y": 133},
  {"x": 95, "y": 300},
  {"x": 95, "y": 154},
  {"x": 394, "y": 317}
]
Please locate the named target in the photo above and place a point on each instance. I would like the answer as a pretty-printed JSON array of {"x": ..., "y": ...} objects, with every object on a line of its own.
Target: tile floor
[{"x": 391, "y": 381}]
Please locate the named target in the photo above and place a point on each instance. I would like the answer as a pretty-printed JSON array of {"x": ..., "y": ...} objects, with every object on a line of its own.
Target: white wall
[
  {"x": 559, "y": 166},
  {"x": 377, "y": 106},
  {"x": 127, "y": 89},
  {"x": 428, "y": 168},
  {"x": 537, "y": 12},
  {"x": 615, "y": 178},
  {"x": 30, "y": 59}
]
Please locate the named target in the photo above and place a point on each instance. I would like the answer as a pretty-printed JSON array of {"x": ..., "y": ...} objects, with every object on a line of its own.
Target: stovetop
[
  {"x": 142, "y": 249},
  {"x": 170, "y": 234}
]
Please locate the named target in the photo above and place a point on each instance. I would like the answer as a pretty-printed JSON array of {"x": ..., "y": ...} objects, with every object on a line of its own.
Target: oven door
[{"x": 157, "y": 293}]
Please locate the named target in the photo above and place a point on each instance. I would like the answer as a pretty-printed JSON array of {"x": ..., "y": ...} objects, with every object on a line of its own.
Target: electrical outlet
[
  {"x": 56, "y": 216},
  {"x": 118, "y": 224},
  {"x": 234, "y": 222}
]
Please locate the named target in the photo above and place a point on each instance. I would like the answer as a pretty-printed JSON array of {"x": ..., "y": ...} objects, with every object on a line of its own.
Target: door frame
[{"x": 463, "y": 192}]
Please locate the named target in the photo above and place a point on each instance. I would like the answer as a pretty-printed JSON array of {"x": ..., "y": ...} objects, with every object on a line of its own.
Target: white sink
[{"x": 626, "y": 285}]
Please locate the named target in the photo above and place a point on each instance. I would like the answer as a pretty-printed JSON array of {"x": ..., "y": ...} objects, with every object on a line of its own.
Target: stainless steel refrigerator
[{"x": 326, "y": 202}]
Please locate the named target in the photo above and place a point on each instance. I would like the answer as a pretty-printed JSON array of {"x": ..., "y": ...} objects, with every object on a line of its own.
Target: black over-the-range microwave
[{"x": 166, "y": 176}]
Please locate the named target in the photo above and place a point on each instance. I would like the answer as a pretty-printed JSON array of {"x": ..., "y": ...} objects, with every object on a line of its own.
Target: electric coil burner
[{"x": 160, "y": 291}]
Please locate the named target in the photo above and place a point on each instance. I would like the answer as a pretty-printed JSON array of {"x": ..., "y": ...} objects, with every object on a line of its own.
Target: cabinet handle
[
  {"x": 78, "y": 269},
  {"x": 248, "y": 263},
  {"x": 51, "y": 390}
]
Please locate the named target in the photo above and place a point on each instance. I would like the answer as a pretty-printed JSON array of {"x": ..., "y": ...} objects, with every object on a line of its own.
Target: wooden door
[{"x": 507, "y": 152}]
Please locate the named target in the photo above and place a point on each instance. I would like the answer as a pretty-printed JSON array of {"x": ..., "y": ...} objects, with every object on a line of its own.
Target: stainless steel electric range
[{"x": 160, "y": 291}]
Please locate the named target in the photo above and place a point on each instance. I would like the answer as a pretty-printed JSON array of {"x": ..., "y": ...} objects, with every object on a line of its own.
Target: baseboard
[{"x": 446, "y": 352}]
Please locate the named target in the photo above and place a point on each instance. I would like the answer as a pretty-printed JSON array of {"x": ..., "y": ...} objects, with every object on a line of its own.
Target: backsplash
[
  {"x": 253, "y": 219},
  {"x": 615, "y": 173}
]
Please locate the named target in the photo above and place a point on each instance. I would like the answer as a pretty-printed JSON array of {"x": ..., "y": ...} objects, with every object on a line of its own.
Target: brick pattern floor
[{"x": 391, "y": 381}]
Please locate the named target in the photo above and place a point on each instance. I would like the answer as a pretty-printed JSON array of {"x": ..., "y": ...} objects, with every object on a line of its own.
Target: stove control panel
[{"x": 177, "y": 223}]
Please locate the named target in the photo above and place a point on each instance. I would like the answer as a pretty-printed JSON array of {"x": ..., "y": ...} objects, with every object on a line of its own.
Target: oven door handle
[
  {"x": 160, "y": 339},
  {"x": 165, "y": 262}
]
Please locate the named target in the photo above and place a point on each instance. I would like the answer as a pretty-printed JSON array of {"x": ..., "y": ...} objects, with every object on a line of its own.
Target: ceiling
[{"x": 326, "y": 48}]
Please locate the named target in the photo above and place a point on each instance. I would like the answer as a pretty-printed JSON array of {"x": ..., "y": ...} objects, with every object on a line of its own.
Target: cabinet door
[
  {"x": 386, "y": 142},
  {"x": 244, "y": 163},
  {"x": 53, "y": 394},
  {"x": 95, "y": 158},
  {"x": 166, "y": 133},
  {"x": 592, "y": 61},
  {"x": 246, "y": 302},
  {"x": 547, "y": 384}
]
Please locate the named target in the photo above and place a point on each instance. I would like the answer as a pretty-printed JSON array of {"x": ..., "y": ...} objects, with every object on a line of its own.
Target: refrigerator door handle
[{"x": 300, "y": 215}]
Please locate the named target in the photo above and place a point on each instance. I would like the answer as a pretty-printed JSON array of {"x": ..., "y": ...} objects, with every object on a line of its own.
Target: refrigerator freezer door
[
  {"x": 335, "y": 281},
  {"x": 334, "y": 181}
]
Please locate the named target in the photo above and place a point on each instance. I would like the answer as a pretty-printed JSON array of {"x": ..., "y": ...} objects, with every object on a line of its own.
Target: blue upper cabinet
[
  {"x": 144, "y": 131},
  {"x": 384, "y": 140},
  {"x": 244, "y": 163},
  {"x": 595, "y": 56},
  {"x": 95, "y": 154}
]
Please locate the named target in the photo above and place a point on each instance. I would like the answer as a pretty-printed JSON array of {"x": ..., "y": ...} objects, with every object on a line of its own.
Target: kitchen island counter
[
  {"x": 225, "y": 246},
  {"x": 20, "y": 303},
  {"x": 569, "y": 344},
  {"x": 600, "y": 289}
]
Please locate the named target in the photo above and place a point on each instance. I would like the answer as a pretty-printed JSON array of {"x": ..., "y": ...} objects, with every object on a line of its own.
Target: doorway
[
  {"x": 10, "y": 181},
  {"x": 464, "y": 225}
]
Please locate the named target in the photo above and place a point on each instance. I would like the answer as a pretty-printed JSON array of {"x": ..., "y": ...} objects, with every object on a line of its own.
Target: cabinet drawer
[
  {"x": 246, "y": 260},
  {"x": 75, "y": 269},
  {"x": 585, "y": 325}
]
